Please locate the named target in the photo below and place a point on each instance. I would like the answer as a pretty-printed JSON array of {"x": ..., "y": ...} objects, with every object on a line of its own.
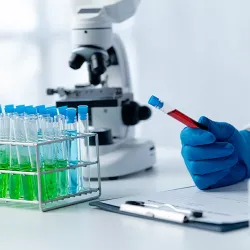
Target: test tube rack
[{"x": 61, "y": 201}]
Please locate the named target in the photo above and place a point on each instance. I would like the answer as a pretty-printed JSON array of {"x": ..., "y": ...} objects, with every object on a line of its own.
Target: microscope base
[{"x": 130, "y": 157}]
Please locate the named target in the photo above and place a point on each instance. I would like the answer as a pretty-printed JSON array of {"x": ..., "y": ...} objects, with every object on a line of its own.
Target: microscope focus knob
[
  {"x": 133, "y": 113},
  {"x": 51, "y": 91},
  {"x": 144, "y": 113}
]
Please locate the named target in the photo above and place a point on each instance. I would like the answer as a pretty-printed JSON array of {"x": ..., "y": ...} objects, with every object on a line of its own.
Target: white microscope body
[{"x": 95, "y": 43}]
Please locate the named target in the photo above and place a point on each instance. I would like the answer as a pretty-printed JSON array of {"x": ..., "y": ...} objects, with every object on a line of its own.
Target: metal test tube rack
[{"x": 61, "y": 201}]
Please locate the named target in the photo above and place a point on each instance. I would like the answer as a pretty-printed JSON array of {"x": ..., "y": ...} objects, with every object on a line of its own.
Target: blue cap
[
  {"x": 71, "y": 115},
  {"x": 20, "y": 109},
  {"x": 9, "y": 109},
  {"x": 43, "y": 111},
  {"x": 52, "y": 111},
  {"x": 155, "y": 102},
  {"x": 83, "y": 112},
  {"x": 27, "y": 107},
  {"x": 38, "y": 108},
  {"x": 1, "y": 111},
  {"x": 30, "y": 110},
  {"x": 51, "y": 107},
  {"x": 62, "y": 110}
]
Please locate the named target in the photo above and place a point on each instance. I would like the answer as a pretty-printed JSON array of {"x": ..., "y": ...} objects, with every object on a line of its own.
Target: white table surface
[{"x": 82, "y": 227}]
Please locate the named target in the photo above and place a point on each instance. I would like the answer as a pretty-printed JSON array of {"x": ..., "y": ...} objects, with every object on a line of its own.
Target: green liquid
[
  {"x": 3, "y": 182},
  {"x": 49, "y": 183},
  {"x": 29, "y": 183},
  {"x": 15, "y": 186},
  {"x": 15, "y": 181},
  {"x": 23, "y": 185},
  {"x": 4, "y": 165},
  {"x": 62, "y": 178}
]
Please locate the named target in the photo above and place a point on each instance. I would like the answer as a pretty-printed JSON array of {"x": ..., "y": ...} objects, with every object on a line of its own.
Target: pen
[
  {"x": 193, "y": 213},
  {"x": 154, "y": 213},
  {"x": 175, "y": 113}
]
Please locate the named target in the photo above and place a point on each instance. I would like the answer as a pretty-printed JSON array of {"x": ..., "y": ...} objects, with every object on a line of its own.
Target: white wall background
[{"x": 194, "y": 54}]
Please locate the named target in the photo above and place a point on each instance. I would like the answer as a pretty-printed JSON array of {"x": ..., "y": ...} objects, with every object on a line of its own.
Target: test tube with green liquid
[
  {"x": 4, "y": 153},
  {"x": 25, "y": 158},
  {"x": 14, "y": 180},
  {"x": 49, "y": 181},
  {"x": 15, "y": 185},
  {"x": 32, "y": 135}
]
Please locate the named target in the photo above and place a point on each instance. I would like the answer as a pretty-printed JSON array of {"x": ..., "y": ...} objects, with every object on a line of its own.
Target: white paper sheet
[{"x": 223, "y": 205}]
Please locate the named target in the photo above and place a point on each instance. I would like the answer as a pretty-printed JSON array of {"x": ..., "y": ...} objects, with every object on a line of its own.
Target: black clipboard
[{"x": 193, "y": 224}]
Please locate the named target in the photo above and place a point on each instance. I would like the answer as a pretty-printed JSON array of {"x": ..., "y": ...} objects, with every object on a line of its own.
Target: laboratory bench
[{"x": 82, "y": 227}]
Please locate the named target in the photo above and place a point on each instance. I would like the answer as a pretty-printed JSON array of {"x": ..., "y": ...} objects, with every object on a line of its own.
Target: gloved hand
[{"x": 217, "y": 157}]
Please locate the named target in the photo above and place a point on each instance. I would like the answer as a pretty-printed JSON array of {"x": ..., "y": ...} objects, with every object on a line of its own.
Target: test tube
[
  {"x": 4, "y": 153},
  {"x": 174, "y": 113},
  {"x": 14, "y": 179},
  {"x": 72, "y": 149},
  {"x": 31, "y": 135},
  {"x": 49, "y": 181},
  {"x": 61, "y": 151},
  {"x": 83, "y": 127}
]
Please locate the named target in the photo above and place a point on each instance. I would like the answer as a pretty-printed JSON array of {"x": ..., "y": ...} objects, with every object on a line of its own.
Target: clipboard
[{"x": 209, "y": 226}]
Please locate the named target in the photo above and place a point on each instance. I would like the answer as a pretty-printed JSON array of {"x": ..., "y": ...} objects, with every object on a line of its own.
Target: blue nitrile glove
[{"x": 216, "y": 158}]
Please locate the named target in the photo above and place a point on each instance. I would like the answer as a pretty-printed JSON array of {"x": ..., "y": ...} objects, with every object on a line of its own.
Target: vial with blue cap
[
  {"x": 9, "y": 109},
  {"x": 4, "y": 152},
  {"x": 62, "y": 110},
  {"x": 62, "y": 119},
  {"x": 25, "y": 127},
  {"x": 72, "y": 149},
  {"x": 20, "y": 110},
  {"x": 49, "y": 155},
  {"x": 15, "y": 183},
  {"x": 39, "y": 108},
  {"x": 175, "y": 113},
  {"x": 84, "y": 154},
  {"x": 60, "y": 149}
]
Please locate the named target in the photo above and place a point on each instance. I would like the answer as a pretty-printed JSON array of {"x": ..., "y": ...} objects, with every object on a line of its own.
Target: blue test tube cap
[
  {"x": 43, "y": 111},
  {"x": 71, "y": 115},
  {"x": 155, "y": 102},
  {"x": 38, "y": 108},
  {"x": 30, "y": 110},
  {"x": 9, "y": 109},
  {"x": 51, "y": 107},
  {"x": 27, "y": 107},
  {"x": 62, "y": 110},
  {"x": 52, "y": 111},
  {"x": 20, "y": 109},
  {"x": 83, "y": 111},
  {"x": 1, "y": 111}
]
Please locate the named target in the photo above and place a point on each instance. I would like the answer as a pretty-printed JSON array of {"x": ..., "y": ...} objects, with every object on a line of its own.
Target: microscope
[{"x": 113, "y": 113}]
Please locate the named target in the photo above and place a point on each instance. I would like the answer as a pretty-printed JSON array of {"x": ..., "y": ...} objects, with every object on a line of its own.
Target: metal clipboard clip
[{"x": 156, "y": 211}]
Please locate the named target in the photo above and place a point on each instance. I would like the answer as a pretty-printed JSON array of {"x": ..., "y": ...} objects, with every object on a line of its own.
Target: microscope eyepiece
[
  {"x": 76, "y": 61},
  {"x": 98, "y": 63}
]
